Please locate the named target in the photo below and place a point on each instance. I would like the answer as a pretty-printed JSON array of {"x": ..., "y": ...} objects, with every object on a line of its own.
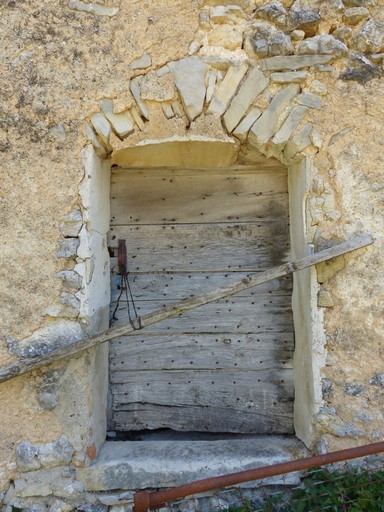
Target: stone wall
[{"x": 299, "y": 81}]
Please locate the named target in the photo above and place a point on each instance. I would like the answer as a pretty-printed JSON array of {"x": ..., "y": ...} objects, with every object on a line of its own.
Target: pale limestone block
[
  {"x": 194, "y": 47},
  {"x": 93, "y": 8},
  {"x": 134, "y": 86},
  {"x": 241, "y": 132},
  {"x": 294, "y": 77},
  {"x": 343, "y": 34},
  {"x": 308, "y": 99},
  {"x": 98, "y": 147},
  {"x": 241, "y": 3},
  {"x": 336, "y": 136},
  {"x": 354, "y": 15},
  {"x": 219, "y": 63},
  {"x": 265, "y": 40},
  {"x": 162, "y": 71},
  {"x": 58, "y": 132},
  {"x": 273, "y": 12},
  {"x": 204, "y": 21},
  {"x": 71, "y": 279},
  {"x": 137, "y": 118},
  {"x": 266, "y": 125},
  {"x": 377, "y": 58},
  {"x": 323, "y": 45},
  {"x": 289, "y": 125},
  {"x": 67, "y": 306},
  {"x": 141, "y": 63},
  {"x": 168, "y": 111},
  {"x": 102, "y": 127},
  {"x": 72, "y": 224},
  {"x": 370, "y": 39},
  {"x": 156, "y": 88},
  {"x": 177, "y": 109},
  {"x": 68, "y": 247},
  {"x": 211, "y": 82},
  {"x": 227, "y": 89},
  {"x": 122, "y": 123},
  {"x": 318, "y": 87},
  {"x": 300, "y": 141},
  {"x": 221, "y": 14},
  {"x": 252, "y": 86},
  {"x": 189, "y": 75},
  {"x": 294, "y": 62},
  {"x": 227, "y": 36},
  {"x": 297, "y": 35}
]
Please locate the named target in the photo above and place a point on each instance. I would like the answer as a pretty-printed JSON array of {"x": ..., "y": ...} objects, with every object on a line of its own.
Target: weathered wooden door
[{"x": 224, "y": 367}]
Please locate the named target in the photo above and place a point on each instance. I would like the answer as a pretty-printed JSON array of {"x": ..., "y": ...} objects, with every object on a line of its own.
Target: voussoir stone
[
  {"x": 323, "y": 45},
  {"x": 241, "y": 131},
  {"x": 266, "y": 125},
  {"x": 253, "y": 85},
  {"x": 227, "y": 89},
  {"x": 189, "y": 75},
  {"x": 266, "y": 40},
  {"x": 136, "y": 93},
  {"x": 122, "y": 123},
  {"x": 309, "y": 99},
  {"x": 290, "y": 124},
  {"x": 300, "y": 141}
]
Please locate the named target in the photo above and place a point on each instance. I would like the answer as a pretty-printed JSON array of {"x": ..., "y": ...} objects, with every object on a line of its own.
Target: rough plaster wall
[
  {"x": 352, "y": 169},
  {"x": 57, "y": 62}
]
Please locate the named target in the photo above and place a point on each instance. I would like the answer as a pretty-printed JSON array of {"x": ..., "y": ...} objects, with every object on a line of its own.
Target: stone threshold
[{"x": 131, "y": 465}]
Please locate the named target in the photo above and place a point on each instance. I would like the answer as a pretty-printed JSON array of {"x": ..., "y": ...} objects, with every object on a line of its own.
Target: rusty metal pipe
[{"x": 144, "y": 500}]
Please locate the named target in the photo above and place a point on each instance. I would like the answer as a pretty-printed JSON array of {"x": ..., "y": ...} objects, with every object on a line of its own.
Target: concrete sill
[{"x": 130, "y": 465}]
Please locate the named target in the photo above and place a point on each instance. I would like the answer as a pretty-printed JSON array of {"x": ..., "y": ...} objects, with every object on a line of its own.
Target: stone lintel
[{"x": 178, "y": 153}]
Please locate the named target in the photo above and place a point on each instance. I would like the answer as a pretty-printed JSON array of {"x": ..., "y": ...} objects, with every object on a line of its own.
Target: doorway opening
[{"x": 223, "y": 368}]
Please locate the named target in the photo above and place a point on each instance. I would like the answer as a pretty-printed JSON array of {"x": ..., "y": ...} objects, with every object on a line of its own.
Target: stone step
[{"x": 130, "y": 465}]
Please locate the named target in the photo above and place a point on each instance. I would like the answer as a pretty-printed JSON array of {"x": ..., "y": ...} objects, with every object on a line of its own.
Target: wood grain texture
[
  {"x": 161, "y": 286},
  {"x": 262, "y": 351},
  {"x": 204, "y": 247},
  {"x": 226, "y": 397},
  {"x": 144, "y": 197},
  {"x": 231, "y": 315}
]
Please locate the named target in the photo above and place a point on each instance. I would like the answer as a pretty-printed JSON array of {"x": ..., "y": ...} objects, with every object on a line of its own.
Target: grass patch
[{"x": 360, "y": 491}]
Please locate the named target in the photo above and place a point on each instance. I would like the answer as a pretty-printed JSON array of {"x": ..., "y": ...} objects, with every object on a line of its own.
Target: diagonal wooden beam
[{"x": 25, "y": 365}]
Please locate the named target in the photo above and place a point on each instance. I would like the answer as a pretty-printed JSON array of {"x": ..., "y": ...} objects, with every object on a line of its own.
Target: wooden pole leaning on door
[{"x": 71, "y": 348}]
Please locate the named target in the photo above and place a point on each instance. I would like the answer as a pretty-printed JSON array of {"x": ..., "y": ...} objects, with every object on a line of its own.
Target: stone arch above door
[{"x": 242, "y": 110}]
